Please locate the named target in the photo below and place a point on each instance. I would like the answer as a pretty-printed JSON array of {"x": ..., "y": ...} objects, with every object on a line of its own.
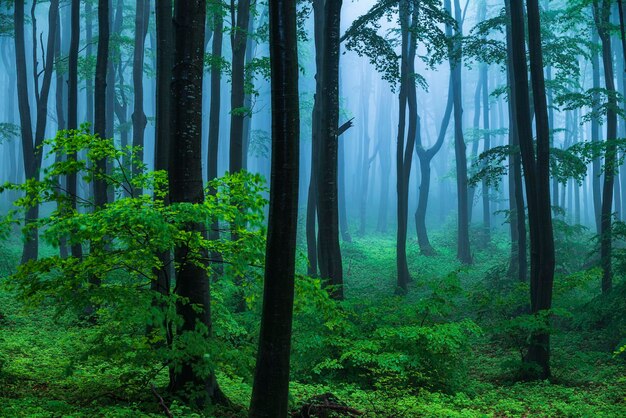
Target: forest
[{"x": 312, "y": 208}]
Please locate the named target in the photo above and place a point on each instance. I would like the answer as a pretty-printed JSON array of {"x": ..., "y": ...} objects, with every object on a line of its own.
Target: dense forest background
[{"x": 272, "y": 208}]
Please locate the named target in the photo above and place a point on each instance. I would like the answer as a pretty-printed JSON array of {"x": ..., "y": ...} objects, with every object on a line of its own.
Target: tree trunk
[
  {"x": 142, "y": 16},
  {"x": 72, "y": 107},
  {"x": 487, "y": 145},
  {"x": 405, "y": 96},
  {"x": 425, "y": 157},
  {"x": 601, "y": 15},
  {"x": 595, "y": 136},
  {"x": 186, "y": 185},
  {"x": 463, "y": 245},
  {"x": 328, "y": 250},
  {"x": 518, "y": 265},
  {"x": 32, "y": 144},
  {"x": 239, "y": 37},
  {"x": 271, "y": 380}
]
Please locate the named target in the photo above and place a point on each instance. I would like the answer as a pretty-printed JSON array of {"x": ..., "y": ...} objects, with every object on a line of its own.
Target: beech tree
[
  {"x": 271, "y": 378},
  {"x": 32, "y": 140}
]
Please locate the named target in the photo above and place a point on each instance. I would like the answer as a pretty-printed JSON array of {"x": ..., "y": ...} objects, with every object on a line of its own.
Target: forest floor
[{"x": 42, "y": 374}]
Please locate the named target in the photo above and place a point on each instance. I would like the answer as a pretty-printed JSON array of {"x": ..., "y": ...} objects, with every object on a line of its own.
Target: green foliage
[
  {"x": 120, "y": 243},
  {"x": 363, "y": 37}
]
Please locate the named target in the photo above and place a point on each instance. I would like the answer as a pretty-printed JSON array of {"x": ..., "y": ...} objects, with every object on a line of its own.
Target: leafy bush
[{"x": 134, "y": 325}]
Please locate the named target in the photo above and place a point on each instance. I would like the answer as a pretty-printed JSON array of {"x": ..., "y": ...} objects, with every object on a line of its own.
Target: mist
[{"x": 386, "y": 208}]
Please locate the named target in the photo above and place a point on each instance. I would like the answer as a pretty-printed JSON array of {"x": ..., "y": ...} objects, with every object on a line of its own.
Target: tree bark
[
  {"x": 32, "y": 144},
  {"x": 271, "y": 380},
  {"x": 238, "y": 37},
  {"x": 142, "y": 16},
  {"x": 425, "y": 157},
  {"x": 186, "y": 185},
  {"x": 602, "y": 11},
  {"x": 463, "y": 244},
  {"x": 328, "y": 250}
]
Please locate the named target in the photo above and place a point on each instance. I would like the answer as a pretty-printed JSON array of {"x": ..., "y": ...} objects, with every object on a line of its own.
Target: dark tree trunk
[
  {"x": 463, "y": 245},
  {"x": 72, "y": 108},
  {"x": 328, "y": 250},
  {"x": 100, "y": 94},
  {"x": 61, "y": 122},
  {"x": 164, "y": 33},
  {"x": 487, "y": 145},
  {"x": 595, "y": 136},
  {"x": 542, "y": 279},
  {"x": 162, "y": 281},
  {"x": 602, "y": 11},
  {"x": 32, "y": 144},
  {"x": 476, "y": 140},
  {"x": 238, "y": 38},
  {"x": 425, "y": 157},
  {"x": 536, "y": 174},
  {"x": 142, "y": 16},
  {"x": 311, "y": 207},
  {"x": 89, "y": 52},
  {"x": 110, "y": 103},
  {"x": 214, "y": 115},
  {"x": 271, "y": 379},
  {"x": 404, "y": 154},
  {"x": 185, "y": 176},
  {"x": 518, "y": 265}
]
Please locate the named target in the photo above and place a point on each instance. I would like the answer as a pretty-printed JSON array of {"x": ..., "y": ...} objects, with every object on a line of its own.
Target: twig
[{"x": 167, "y": 411}]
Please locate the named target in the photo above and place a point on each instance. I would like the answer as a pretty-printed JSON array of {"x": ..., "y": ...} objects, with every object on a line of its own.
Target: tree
[
  {"x": 404, "y": 154},
  {"x": 425, "y": 156},
  {"x": 463, "y": 245},
  {"x": 142, "y": 17},
  {"x": 271, "y": 379},
  {"x": 518, "y": 264},
  {"x": 32, "y": 142},
  {"x": 328, "y": 250},
  {"x": 185, "y": 180},
  {"x": 100, "y": 96},
  {"x": 72, "y": 107},
  {"x": 238, "y": 41},
  {"x": 536, "y": 175},
  {"x": 601, "y": 14},
  {"x": 311, "y": 206}
]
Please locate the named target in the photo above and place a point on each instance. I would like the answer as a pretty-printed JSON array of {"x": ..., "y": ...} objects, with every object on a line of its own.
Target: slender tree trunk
[
  {"x": 89, "y": 52},
  {"x": 239, "y": 37},
  {"x": 311, "y": 208},
  {"x": 487, "y": 145},
  {"x": 404, "y": 97},
  {"x": 463, "y": 245},
  {"x": 425, "y": 158},
  {"x": 595, "y": 136},
  {"x": 61, "y": 122},
  {"x": 72, "y": 107},
  {"x": 142, "y": 16},
  {"x": 214, "y": 115},
  {"x": 271, "y": 379},
  {"x": 328, "y": 250},
  {"x": 602, "y": 13},
  {"x": 32, "y": 144},
  {"x": 519, "y": 265}
]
